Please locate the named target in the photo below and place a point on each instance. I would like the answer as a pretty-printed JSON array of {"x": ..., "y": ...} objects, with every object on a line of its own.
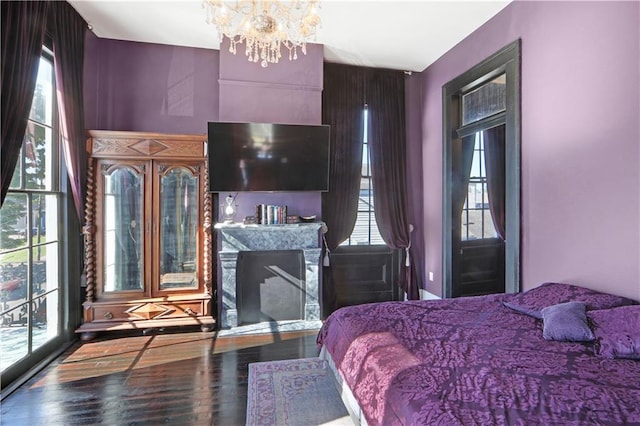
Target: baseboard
[{"x": 425, "y": 295}]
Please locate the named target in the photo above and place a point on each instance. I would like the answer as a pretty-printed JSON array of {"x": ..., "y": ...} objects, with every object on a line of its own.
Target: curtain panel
[
  {"x": 68, "y": 31},
  {"x": 343, "y": 99},
  {"x": 24, "y": 25},
  {"x": 462, "y": 160},
  {"x": 387, "y": 141},
  {"x": 494, "y": 151},
  {"x": 23, "y": 29}
]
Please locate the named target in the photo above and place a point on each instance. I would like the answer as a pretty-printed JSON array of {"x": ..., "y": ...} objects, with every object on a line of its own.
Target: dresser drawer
[
  {"x": 111, "y": 312},
  {"x": 148, "y": 310}
]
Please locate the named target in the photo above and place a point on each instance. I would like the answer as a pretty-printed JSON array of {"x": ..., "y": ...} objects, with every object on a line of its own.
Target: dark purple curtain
[
  {"x": 494, "y": 160},
  {"x": 68, "y": 31},
  {"x": 462, "y": 159},
  {"x": 23, "y": 29},
  {"x": 342, "y": 108},
  {"x": 387, "y": 141}
]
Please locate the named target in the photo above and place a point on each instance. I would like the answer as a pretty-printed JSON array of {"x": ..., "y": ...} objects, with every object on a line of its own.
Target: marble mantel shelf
[
  {"x": 237, "y": 237},
  {"x": 241, "y": 225}
]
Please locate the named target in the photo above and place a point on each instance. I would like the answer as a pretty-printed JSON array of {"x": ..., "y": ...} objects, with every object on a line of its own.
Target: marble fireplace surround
[{"x": 239, "y": 237}]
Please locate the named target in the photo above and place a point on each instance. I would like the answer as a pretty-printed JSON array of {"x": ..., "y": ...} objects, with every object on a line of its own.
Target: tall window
[
  {"x": 30, "y": 229},
  {"x": 365, "y": 231},
  {"x": 476, "y": 215}
]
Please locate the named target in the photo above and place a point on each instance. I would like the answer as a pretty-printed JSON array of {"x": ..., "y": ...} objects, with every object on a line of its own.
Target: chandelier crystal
[{"x": 265, "y": 26}]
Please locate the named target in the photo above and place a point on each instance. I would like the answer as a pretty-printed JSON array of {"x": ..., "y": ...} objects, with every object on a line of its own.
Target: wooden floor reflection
[{"x": 190, "y": 378}]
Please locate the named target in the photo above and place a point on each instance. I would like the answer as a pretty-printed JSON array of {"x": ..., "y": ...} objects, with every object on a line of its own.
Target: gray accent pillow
[{"x": 566, "y": 322}]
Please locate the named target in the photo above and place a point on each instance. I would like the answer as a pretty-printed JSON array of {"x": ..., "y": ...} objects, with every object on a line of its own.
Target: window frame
[{"x": 17, "y": 372}]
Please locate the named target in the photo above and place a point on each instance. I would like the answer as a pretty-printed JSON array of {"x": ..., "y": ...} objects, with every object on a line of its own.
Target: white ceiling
[{"x": 403, "y": 35}]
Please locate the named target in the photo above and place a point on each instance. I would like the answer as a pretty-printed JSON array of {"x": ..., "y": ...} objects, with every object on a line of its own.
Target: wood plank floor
[{"x": 178, "y": 379}]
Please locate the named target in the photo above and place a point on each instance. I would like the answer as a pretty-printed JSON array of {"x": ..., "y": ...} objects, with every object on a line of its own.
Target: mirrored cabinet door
[
  {"x": 123, "y": 228},
  {"x": 179, "y": 225}
]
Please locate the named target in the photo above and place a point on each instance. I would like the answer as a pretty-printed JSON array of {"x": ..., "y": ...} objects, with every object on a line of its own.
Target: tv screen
[{"x": 268, "y": 157}]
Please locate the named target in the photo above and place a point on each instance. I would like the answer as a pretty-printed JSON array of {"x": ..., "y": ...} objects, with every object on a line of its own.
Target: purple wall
[
  {"x": 149, "y": 87},
  {"x": 287, "y": 92},
  {"x": 414, "y": 97},
  {"x": 580, "y": 140}
]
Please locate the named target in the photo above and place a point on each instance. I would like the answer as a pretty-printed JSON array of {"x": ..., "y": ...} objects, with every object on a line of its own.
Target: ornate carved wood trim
[
  {"x": 208, "y": 230},
  {"x": 107, "y": 144},
  {"x": 163, "y": 169},
  {"x": 89, "y": 230}
]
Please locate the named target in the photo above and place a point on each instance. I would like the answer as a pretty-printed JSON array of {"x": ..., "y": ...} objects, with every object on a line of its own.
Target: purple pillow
[
  {"x": 532, "y": 302},
  {"x": 566, "y": 322},
  {"x": 617, "y": 332}
]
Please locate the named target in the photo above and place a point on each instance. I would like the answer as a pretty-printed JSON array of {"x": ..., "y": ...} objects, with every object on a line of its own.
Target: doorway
[{"x": 481, "y": 206}]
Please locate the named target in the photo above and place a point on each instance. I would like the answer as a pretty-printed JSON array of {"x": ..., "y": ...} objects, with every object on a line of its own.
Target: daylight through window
[
  {"x": 29, "y": 237},
  {"x": 365, "y": 231},
  {"x": 476, "y": 215}
]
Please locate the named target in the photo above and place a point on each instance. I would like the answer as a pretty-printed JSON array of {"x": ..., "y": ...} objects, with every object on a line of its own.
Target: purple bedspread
[{"x": 473, "y": 361}]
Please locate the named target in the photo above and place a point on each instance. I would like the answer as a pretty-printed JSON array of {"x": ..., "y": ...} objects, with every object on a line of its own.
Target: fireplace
[
  {"x": 262, "y": 243},
  {"x": 270, "y": 286}
]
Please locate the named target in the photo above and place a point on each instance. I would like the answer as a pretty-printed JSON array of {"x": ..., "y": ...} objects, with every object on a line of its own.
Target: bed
[{"x": 519, "y": 359}]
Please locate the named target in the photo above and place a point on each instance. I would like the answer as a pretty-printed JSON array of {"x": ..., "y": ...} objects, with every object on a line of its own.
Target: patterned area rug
[{"x": 296, "y": 392}]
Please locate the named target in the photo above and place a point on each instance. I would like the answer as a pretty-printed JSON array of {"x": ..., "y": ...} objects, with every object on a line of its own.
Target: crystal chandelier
[{"x": 265, "y": 26}]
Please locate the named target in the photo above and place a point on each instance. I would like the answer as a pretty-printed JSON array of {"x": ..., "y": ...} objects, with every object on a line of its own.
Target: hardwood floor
[{"x": 190, "y": 378}]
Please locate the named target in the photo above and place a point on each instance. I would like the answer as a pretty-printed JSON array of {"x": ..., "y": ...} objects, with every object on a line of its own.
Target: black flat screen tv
[{"x": 268, "y": 157}]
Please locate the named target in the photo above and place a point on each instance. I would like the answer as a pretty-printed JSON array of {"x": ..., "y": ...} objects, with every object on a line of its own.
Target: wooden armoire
[{"x": 148, "y": 242}]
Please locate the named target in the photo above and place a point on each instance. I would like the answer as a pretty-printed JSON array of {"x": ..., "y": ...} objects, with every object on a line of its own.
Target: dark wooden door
[
  {"x": 475, "y": 104},
  {"x": 478, "y": 252}
]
